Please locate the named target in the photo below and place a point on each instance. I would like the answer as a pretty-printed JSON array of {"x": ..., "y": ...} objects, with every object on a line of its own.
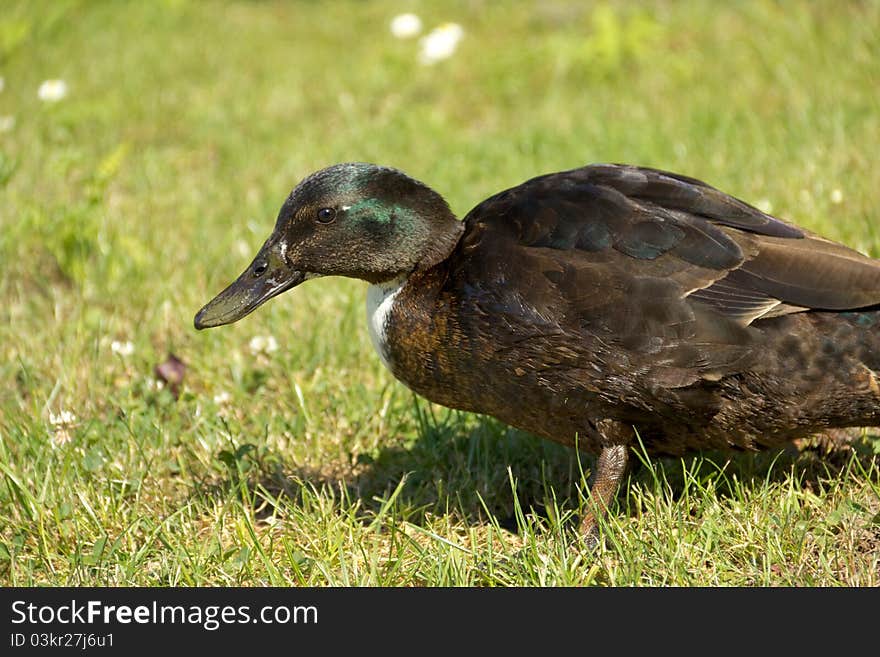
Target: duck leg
[{"x": 610, "y": 468}]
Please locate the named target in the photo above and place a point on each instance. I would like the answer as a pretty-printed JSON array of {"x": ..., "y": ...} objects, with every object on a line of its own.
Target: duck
[{"x": 608, "y": 308}]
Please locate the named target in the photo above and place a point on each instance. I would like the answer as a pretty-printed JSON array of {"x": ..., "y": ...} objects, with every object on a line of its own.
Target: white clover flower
[
  {"x": 63, "y": 419},
  {"x": 7, "y": 123},
  {"x": 263, "y": 344},
  {"x": 406, "y": 26},
  {"x": 52, "y": 91},
  {"x": 155, "y": 384},
  {"x": 62, "y": 422},
  {"x": 122, "y": 348},
  {"x": 222, "y": 398},
  {"x": 61, "y": 437},
  {"x": 440, "y": 43},
  {"x": 836, "y": 196}
]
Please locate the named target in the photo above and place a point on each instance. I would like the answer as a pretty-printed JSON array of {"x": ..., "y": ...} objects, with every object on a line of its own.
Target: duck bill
[{"x": 267, "y": 276}]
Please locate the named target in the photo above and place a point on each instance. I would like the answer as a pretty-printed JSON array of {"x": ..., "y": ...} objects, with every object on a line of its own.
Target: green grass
[{"x": 127, "y": 205}]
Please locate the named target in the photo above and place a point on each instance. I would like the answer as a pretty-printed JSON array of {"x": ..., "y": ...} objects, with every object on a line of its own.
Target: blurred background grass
[{"x": 127, "y": 204}]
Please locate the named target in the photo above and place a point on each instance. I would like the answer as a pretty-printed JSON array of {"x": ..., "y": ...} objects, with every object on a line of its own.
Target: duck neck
[
  {"x": 380, "y": 301},
  {"x": 442, "y": 244}
]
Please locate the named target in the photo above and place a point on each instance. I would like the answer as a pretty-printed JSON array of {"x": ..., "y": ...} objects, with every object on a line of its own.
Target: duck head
[{"x": 356, "y": 219}]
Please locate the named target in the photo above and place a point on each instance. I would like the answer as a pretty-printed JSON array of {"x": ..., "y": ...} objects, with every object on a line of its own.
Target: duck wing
[{"x": 666, "y": 269}]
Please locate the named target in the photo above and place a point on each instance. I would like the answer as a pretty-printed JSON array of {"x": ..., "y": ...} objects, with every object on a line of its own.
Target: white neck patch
[{"x": 380, "y": 299}]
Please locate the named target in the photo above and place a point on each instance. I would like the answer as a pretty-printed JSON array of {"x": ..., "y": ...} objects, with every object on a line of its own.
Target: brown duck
[{"x": 586, "y": 305}]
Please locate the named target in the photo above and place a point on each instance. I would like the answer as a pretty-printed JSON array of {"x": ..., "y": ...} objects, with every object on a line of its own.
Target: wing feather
[{"x": 657, "y": 263}]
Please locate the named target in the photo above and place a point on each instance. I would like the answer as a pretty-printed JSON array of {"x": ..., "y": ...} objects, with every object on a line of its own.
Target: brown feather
[{"x": 645, "y": 298}]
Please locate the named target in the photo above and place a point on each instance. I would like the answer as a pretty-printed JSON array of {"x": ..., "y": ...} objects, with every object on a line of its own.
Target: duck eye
[
  {"x": 326, "y": 215},
  {"x": 260, "y": 269}
]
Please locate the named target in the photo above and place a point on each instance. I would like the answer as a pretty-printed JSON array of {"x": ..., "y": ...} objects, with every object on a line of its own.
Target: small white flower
[
  {"x": 406, "y": 26},
  {"x": 440, "y": 43},
  {"x": 764, "y": 205},
  {"x": 222, "y": 398},
  {"x": 836, "y": 196},
  {"x": 7, "y": 123},
  {"x": 122, "y": 348},
  {"x": 52, "y": 91},
  {"x": 61, "y": 437},
  {"x": 63, "y": 419},
  {"x": 263, "y": 344},
  {"x": 62, "y": 422},
  {"x": 155, "y": 384}
]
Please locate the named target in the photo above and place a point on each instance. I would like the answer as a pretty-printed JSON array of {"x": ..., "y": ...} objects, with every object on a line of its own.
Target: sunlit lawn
[{"x": 290, "y": 456}]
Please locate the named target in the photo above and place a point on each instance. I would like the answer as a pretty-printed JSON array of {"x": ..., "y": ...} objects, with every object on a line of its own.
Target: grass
[{"x": 128, "y": 204}]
